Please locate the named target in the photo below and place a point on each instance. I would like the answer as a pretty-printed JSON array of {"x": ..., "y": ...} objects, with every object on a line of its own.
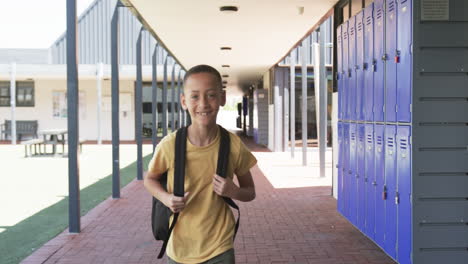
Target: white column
[
  {"x": 13, "y": 101},
  {"x": 99, "y": 77}
]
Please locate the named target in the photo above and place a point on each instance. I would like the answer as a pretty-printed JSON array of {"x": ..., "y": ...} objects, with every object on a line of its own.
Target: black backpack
[{"x": 160, "y": 214}]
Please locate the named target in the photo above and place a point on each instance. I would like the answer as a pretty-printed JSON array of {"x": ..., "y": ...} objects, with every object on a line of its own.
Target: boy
[{"x": 205, "y": 228}]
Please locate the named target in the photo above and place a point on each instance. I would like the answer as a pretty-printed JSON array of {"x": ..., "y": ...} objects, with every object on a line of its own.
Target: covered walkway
[{"x": 282, "y": 225}]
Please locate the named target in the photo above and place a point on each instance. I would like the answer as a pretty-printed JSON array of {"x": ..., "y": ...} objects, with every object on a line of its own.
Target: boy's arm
[{"x": 153, "y": 185}]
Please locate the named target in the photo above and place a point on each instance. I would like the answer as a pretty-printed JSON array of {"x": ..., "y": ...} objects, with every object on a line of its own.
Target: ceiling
[{"x": 260, "y": 33}]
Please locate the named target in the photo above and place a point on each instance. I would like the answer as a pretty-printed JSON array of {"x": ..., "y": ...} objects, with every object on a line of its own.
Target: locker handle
[
  {"x": 384, "y": 193},
  {"x": 384, "y": 57},
  {"x": 365, "y": 65},
  {"x": 397, "y": 198},
  {"x": 374, "y": 183},
  {"x": 349, "y": 73},
  {"x": 374, "y": 65}
]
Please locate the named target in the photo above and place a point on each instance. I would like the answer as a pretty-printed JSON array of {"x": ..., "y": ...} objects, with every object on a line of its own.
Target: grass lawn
[{"x": 19, "y": 241}]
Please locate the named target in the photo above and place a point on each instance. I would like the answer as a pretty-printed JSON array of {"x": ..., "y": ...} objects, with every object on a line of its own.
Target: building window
[
  {"x": 4, "y": 93},
  {"x": 24, "y": 94},
  {"x": 59, "y": 104}
]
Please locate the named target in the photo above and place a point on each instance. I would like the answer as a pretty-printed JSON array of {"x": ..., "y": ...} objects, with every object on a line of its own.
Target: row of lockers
[
  {"x": 374, "y": 183},
  {"x": 374, "y": 65}
]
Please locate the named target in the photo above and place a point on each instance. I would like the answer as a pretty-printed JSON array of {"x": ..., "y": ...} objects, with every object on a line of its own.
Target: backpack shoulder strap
[
  {"x": 179, "y": 178},
  {"x": 221, "y": 169}
]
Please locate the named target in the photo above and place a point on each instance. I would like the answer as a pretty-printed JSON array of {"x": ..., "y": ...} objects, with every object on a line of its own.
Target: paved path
[{"x": 282, "y": 225}]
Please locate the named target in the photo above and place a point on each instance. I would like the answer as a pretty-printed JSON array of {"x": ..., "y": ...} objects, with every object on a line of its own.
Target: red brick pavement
[{"x": 299, "y": 225}]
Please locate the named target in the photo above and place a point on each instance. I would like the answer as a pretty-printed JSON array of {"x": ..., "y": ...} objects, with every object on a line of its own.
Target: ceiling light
[
  {"x": 225, "y": 66},
  {"x": 226, "y": 48},
  {"x": 229, "y": 9}
]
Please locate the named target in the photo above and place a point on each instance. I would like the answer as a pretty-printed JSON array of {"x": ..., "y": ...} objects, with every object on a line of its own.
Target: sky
[{"x": 34, "y": 24}]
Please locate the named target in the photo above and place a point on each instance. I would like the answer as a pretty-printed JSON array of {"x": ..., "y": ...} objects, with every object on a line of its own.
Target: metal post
[
  {"x": 99, "y": 77},
  {"x": 179, "y": 124},
  {"x": 115, "y": 103},
  {"x": 138, "y": 108},
  {"x": 173, "y": 128},
  {"x": 304, "y": 100},
  {"x": 323, "y": 123},
  {"x": 164, "y": 98},
  {"x": 184, "y": 113},
  {"x": 292, "y": 72},
  {"x": 72, "y": 121},
  {"x": 13, "y": 102},
  {"x": 285, "y": 110},
  {"x": 154, "y": 87}
]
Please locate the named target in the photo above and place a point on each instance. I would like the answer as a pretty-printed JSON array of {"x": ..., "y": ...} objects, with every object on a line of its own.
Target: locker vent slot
[
  {"x": 390, "y": 142},
  {"x": 391, "y": 6},
  {"x": 444, "y": 149},
  {"x": 379, "y": 140},
  {"x": 403, "y": 1},
  {"x": 345, "y": 35},
  {"x": 443, "y": 174},
  {"x": 368, "y": 20},
  {"x": 351, "y": 31},
  {"x": 403, "y": 143},
  {"x": 443, "y": 199},
  {"x": 379, "y": 13},
  {"x": 443, "y": 124},
  {"x": 444, "y": 99},
  {"x": 437, "y": 224},
  {"x": 369, "y": 138},
  {"x": 359, "y": 26},
  {"x": 444, "y": 249}
]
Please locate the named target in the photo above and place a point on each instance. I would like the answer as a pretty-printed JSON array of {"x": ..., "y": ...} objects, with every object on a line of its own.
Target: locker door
[
  {"x": 339, "y": 56},
  {"x": 390, "y": 183},
  {"x": 340, "y": 168},
  {"x": 380, "y": 182},
  {"x": 404, "y": 193},
  {"x": 379, "y": 52},
  {"x": 391, "y": 57},
  {"x": 352, "y": 69},
  {"x": 352, "y": 173},
  {"x": 360, "y": 95},
  {"x": 369, "y": 63},
  {"x": 404, "y": 67},
  {"x": 370, "y": 182},
  {"x": 346, "y": 174},
  {"x": 346, "y": 71},
  {"x": 361, "y": 177}
]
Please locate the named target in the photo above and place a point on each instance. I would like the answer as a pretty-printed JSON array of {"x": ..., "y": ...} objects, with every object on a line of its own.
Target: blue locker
[
  {"x": 352, "y": 66},
  {"x": 379, "y": 52},
  {"x": 404, "y": 67},
  {"x": 346, "y": 71},
  {"x": 369, "y": 63},
  {"x": 391, "y": 57},
  {"x": 360, "y": 95},
  {"x": 352, "y": 173},
  {"x": 340, "y": 167},
  {"x": 404, "y": 194},
  {"x": 339, "y": 56},
  {"x": 370, "y": 182},
  {"x": 361, "y": 177},
  {"x": 380, "y": 184},
  {"x": 346, "y": 169},
  {"x": 390, "y": 183}
]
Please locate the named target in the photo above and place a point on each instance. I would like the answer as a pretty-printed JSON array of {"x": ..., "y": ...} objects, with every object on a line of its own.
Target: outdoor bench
[
  {"x": 36, "y": 143},
  {"x": 23, "y": 128}
]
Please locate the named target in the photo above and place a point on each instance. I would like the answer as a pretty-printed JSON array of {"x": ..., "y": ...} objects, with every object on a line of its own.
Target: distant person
[{"x": 205, "y": 228}]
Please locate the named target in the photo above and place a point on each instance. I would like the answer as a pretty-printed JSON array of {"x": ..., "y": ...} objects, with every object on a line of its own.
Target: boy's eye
[
  {"x": 212, "y": 95},
  {"x": 194, "y": 97}
]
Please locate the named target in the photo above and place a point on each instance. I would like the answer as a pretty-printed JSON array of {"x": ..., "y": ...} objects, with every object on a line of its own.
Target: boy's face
[{"x": 202, "y": 97}]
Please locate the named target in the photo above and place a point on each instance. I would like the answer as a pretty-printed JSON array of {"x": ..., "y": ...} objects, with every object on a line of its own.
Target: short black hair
[{"x": 202, "y": 68}]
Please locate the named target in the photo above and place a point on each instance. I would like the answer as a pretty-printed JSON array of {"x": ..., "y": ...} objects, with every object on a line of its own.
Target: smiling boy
[{"x": 205, "y": 229}]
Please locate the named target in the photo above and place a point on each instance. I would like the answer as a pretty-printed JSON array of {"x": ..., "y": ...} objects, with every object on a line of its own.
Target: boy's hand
[
  {"x": 176, "y": 204},
  {"x": 224, "y": 186}
]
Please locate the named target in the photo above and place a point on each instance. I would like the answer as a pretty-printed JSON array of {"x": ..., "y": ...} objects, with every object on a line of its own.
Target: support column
[
  {"x": 292, "y": 78},
  {"x": 72, "y": 121},
  {"x": 321, "y": 94},
  {"x": 164, "y": 98},
  {"x": 13, "y": 102},
  {"x": 285, "y": 111},
  {"x": 99, "y": 77},
  {"x": 115, "y": 103},
  {"x": 138, "y": 108},
  {"x": 154, "y": 99},
  {"x": 304, "y": 56}
]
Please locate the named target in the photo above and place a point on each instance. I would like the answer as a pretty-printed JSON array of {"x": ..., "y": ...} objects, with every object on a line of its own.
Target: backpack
[{"x": 161, "y": 214}]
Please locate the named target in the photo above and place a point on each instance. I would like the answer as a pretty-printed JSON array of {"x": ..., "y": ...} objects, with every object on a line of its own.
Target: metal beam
[
  {"x": 285, "y": 110},
  {"x": 115, "y": 103},
  {"x": 13, "y": 101},
  {"x": 304, "y": 56},
  {"x": 99, "y": 77},
  {"x": 323, "y": 91},
  {"x": 154, "y": 100},
  {"x": 179, "y": 124},
  {"x": 292, "y": 72},
  {"x": 164, "y": 98},
  {"x": 173, "y": 128},
  {"x": 138, "y": 108},
  {"x": 72, "y": 121}
]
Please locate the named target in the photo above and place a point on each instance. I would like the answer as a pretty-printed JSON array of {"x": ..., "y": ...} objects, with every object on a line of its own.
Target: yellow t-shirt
[{"x": 205, "y": 227}]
